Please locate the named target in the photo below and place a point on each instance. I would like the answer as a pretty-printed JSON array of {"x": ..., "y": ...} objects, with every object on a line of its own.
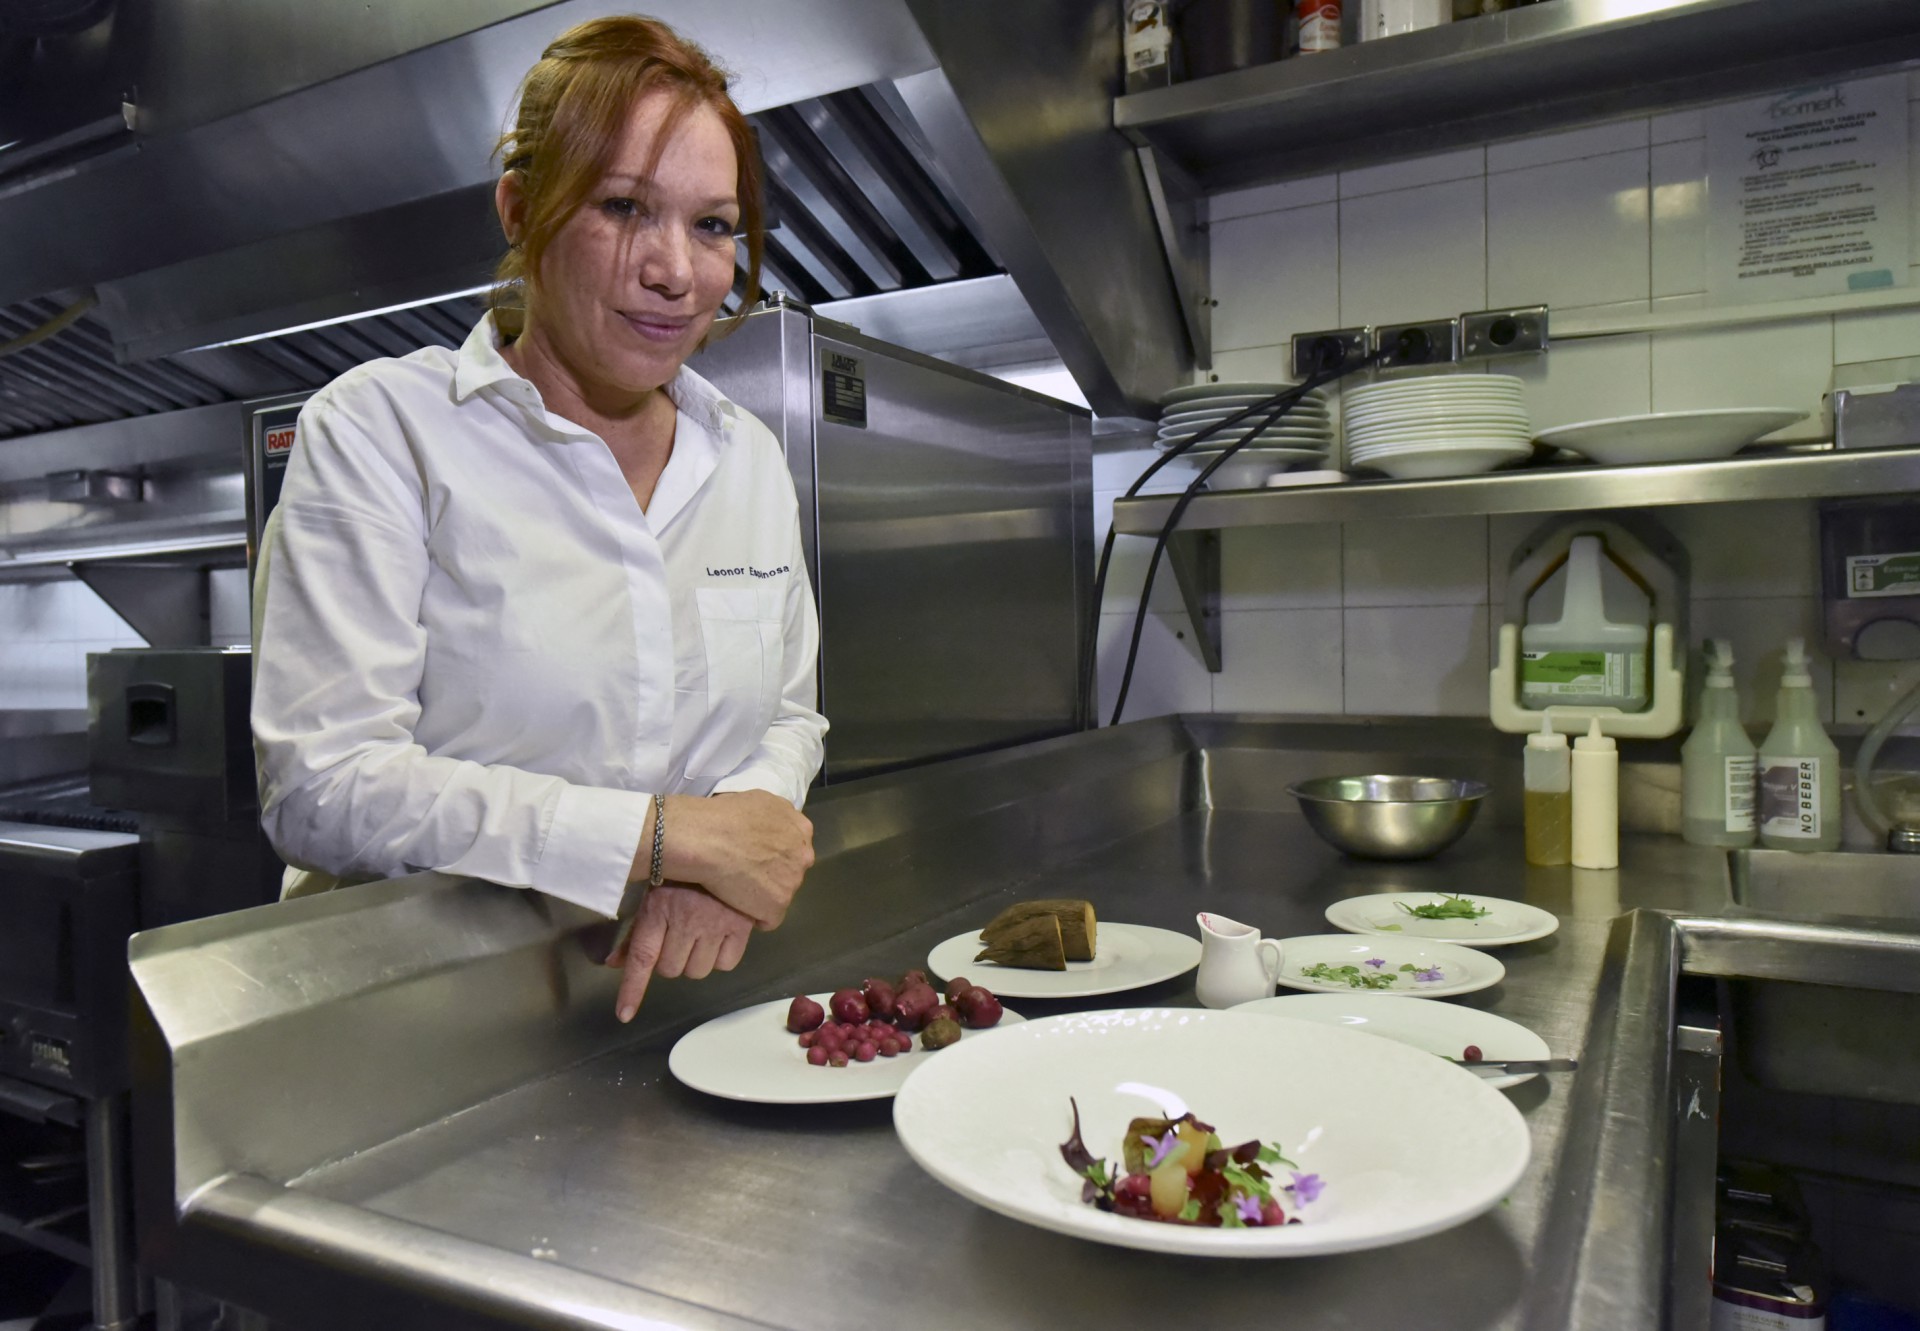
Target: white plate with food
[
  {"x": 1416, "y": 967},
  {"x": 751, "y": 1055},
  {"x": 1474, "y": 920},
  {"x": 1445, "y": 1030},
  {"x": 1126, "y": 956},
  {"x": 1671, "y": 436},
  {"x": 1381, "y": 1143}
]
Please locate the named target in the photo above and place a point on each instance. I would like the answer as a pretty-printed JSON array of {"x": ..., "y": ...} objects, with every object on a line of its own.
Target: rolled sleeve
[{"x": 591, "y": 845}]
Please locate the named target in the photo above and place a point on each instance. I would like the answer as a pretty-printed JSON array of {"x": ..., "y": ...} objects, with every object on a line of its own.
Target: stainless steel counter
[{"x": 407, "y": 1105}]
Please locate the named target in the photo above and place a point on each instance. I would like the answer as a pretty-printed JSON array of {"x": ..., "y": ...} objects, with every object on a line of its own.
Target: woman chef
[{"x": 535, "y": 611}]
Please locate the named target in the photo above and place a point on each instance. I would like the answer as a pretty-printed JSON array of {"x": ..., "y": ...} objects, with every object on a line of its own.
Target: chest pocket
[{"x": 742, "y": 630}]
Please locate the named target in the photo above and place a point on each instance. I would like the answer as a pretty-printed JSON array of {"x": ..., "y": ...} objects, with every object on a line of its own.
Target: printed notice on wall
[{"x": 1807, "y": 192}]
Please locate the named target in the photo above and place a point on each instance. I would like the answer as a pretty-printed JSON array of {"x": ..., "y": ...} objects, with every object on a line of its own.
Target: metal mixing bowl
[{"x": 1389, "y": 817}]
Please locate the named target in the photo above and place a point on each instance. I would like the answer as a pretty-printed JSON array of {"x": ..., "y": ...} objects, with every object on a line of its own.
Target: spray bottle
[
  {"x": 1717, "y": 762},
  {"x": 1799, "y": 767}
]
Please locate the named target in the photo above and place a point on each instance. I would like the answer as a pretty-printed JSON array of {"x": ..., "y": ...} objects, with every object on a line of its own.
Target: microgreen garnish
[
  {"x": 1351, "y": 976},
  {"x": 1229, "y": 1187},
  {"x": 1448, "y": 907}
]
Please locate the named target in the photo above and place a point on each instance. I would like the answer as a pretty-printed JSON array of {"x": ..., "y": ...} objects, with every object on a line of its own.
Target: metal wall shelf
[
  {"x": 1555, "y": 489},
  {"x": 1194, "y": 549},
  {"x": 1546, "y": 66}
]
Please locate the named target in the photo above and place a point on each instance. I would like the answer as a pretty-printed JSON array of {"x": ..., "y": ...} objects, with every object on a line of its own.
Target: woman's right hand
[{"x": 748, "y": 848}]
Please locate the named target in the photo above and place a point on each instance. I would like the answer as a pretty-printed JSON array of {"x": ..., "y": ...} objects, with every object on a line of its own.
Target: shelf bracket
[
  {"x": 1195, "y": 556},
  {"x": 165, "y": 602},
  {"x": 1179, "y": 213}
]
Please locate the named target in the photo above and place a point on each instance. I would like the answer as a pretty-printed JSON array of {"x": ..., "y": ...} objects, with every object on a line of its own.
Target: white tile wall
[
  {"x": 1417, "y": 661},
  {"x": 1275, "y": 274},
  {"x": 1423, "y": 562},
  {"x": 1401, "y": 615},
  {"x": 1597, "y": 203},
  {"x": 1784, "y": 364},
  {"x": 1280, "y": 661},
  {"x": 46, "y": 631},
  {"x": 1416, "y": 253}
]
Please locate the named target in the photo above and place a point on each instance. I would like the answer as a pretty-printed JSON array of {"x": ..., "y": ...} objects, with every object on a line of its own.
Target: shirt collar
[{"x": 479, "y": 365}]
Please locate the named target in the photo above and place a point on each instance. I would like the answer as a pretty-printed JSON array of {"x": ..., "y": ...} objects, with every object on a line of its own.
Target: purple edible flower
[
  {"x": 1376, "y": 962},
  {"x": 1305, "y": 1187},
  {"x": 1249, "y": 1208},
  {"x": 1162, "y": 1145},
  {"x": 1430, "y": 974}
]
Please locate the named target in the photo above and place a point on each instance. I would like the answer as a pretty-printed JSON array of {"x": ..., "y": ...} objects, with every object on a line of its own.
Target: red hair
[{"x": 574, "y": 106}]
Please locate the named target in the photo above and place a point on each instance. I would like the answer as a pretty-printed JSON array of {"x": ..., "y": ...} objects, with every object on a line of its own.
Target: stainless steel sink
[
  {"x": 1784, "y": 882},
  {"x": 1853, "y": 1035}
]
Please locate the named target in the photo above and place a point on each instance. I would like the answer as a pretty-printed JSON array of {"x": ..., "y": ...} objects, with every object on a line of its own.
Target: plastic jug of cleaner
[
  {"x": 1584, "y": 658},
  {"x": 1717, "y": 762},
  {"x": 1799, "y": 767},
  {"x": 1548, "y": 774}
]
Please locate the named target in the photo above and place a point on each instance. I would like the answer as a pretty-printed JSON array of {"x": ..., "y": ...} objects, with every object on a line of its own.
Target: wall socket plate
[
  {"x": 1434, "y": 342},
  {"x": 1503, "y": 332},
  {"x": 1354, "y": 343}
]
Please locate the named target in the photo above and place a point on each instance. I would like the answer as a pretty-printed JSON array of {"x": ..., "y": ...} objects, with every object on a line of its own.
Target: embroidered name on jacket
[{"x": 748, "y": 570}]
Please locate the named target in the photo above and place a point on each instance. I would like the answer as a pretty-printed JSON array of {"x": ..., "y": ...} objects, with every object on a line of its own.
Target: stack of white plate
[
  {"x": 1303, "y": 435},
  {"x": 1437, "y": 425}
]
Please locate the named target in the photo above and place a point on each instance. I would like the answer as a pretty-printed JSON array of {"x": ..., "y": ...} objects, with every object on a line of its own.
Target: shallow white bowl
[{"x": 1405, "y": 1144}]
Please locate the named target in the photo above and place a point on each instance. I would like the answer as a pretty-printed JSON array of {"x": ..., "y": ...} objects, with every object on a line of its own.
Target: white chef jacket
[{"x": 475, "y": 653}]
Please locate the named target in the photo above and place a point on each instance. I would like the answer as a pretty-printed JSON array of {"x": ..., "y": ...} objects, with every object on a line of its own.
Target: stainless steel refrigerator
[{"x": 948, "y": 523}]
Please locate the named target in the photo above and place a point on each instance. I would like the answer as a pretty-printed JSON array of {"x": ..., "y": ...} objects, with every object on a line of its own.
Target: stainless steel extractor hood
[{"x": 221, "y": 170}]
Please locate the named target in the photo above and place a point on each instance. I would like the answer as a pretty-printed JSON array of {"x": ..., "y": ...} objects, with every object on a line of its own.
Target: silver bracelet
[{"x": 659, "y": 838}]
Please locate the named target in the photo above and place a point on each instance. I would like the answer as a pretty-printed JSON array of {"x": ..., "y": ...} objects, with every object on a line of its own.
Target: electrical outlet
[
  {"x": 1346, "y": 345},
  {"x": 1504, "y": 332},
  {"x": 1434, "y": 342}
]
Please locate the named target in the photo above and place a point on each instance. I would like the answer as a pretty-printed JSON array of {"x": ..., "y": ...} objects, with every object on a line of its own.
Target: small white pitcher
[{"x": 1237, "y": 965}]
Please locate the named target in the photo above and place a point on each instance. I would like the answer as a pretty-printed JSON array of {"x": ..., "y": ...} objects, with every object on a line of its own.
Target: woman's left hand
[{"x": 679, "y": 931}]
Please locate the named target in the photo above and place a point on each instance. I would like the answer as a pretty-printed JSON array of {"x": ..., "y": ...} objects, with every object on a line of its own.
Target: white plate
[
  {"x": 1434, "y": 465},
  {"x": 1440, "y": 383},
  {"x": 1360, "y": 399},
  {"x": 1195, "y": 393},
  {"x": 1462, "y": 970},
  {"x": 1231, "y": 436},
  {"x": 1125, "y": 956},
  {"x": 1418, "y": 434},
  {"x": 1404, "y": 1145},
  {"x": 1320, "y": 443},
  {"x": 1197, "y": 420},
  {"x": 751, "y": 1055},
  {"x": 1442, "y": 1029},
  {"x": 1444, "y": 444},
  {"x": 1507, "y": 921},
  {"x": 1670, "y": 436},
  {"x": 1264, "y": 444},
  {"x": 1385, "y": 419}
]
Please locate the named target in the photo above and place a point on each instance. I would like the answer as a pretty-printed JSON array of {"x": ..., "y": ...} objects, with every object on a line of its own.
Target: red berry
[
  {"x": 865, "y": 1051},
  {"x": 807, "y": 1040},
  {"x": 838, "y": 1058},
  {"x": 817, "y": 1056},
  {"x": 1472, "y": 1054}
]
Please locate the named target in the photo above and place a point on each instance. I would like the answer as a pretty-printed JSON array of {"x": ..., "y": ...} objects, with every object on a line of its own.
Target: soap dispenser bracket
[{"x": 1658, "y": 563}]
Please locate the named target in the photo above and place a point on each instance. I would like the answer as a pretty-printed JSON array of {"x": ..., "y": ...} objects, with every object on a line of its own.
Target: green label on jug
[
  {"x": 1583, "y": 674},
  {"x": 1883, "y": 575}
]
